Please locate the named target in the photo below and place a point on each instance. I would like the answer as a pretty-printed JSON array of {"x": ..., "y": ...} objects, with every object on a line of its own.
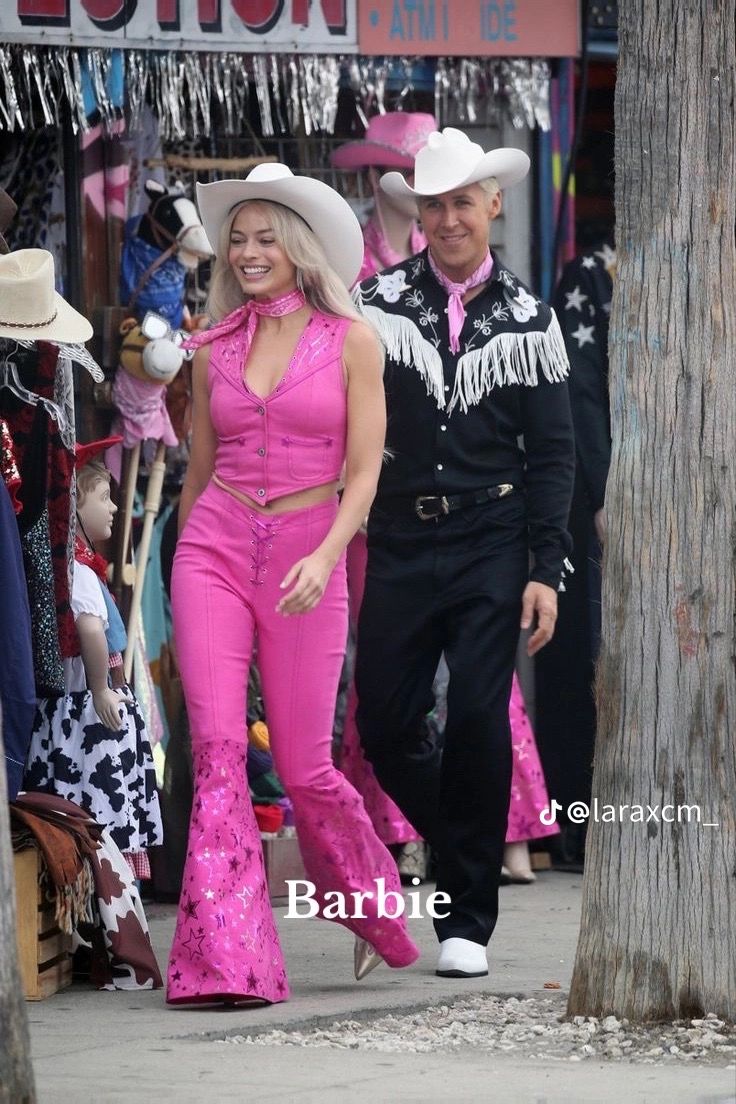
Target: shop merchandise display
[{"x": 89, "y": 744}]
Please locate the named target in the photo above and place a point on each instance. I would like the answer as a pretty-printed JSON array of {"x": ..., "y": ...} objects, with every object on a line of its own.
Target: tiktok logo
[{"x": 549, "y": 814}]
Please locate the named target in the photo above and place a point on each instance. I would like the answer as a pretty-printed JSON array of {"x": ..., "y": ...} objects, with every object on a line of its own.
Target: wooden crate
[{"x": 44, "y": 951}]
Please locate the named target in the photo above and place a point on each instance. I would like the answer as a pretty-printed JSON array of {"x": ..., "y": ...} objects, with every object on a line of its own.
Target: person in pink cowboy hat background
[
  {"x": 390, "y": 235},
  {"x": 391, "y": 141}
]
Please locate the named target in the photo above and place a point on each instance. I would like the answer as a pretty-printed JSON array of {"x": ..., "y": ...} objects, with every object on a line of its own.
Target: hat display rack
[{"x": 195, "y": 94}]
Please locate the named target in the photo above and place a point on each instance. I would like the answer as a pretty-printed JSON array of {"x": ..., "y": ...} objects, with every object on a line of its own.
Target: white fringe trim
[
  {"x": 510, "y": 358},
  {"x": 404, "y": 343}
]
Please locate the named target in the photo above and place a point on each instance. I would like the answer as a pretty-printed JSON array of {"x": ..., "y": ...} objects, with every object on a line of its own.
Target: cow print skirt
[{"x": 110, "y": 774}]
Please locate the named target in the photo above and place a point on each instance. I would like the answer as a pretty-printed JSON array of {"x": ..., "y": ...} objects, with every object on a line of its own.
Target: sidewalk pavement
[{"x": 96, "y": 1047}]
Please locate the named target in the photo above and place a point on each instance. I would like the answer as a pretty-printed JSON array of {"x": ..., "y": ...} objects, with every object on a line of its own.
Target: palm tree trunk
[{"x": 658, "y": 936}]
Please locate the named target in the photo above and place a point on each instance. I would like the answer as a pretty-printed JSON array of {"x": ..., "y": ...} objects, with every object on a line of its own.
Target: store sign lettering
[
  {"x": 257, "y": 16},
  {"x": 428, "y": 21},
  {"x": 497, "y": 21},
  {"x": 469, "y": 27},
  {"x": 412, "y": 19}
]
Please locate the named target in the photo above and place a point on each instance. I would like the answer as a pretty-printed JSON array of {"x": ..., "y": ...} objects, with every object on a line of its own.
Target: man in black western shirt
[{"x": 474, "y": 360}]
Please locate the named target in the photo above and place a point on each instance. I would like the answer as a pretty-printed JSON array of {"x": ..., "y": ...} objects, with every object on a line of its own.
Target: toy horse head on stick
[{"x": 159, "y": 247}]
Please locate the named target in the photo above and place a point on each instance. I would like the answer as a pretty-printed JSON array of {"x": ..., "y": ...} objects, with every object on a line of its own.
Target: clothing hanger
[{"x": 9, "y": 378}]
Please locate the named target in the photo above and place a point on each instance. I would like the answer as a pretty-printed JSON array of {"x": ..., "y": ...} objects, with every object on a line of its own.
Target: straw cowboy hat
[
  {"x": 450, "y": 160},
  {"x": 30, "y": 307},
  {"x": 391, "y": 140},
  {"x": 7, "y": 214},
  {"x": 327, "y": 214}
]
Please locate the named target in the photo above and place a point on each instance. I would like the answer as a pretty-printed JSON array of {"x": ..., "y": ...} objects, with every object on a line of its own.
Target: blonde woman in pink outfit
[{"x": 287, "y": 393}]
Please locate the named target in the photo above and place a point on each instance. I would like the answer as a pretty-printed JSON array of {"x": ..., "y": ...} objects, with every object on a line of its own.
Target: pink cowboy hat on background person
[{"x": 391, "y": 141}]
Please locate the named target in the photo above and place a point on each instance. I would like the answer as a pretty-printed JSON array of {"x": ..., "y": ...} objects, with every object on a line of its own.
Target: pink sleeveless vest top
[{"x": 294, "y": 438}]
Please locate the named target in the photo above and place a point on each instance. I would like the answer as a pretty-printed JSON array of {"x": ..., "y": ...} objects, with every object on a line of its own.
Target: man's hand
[{"x": 540, "y": 601}]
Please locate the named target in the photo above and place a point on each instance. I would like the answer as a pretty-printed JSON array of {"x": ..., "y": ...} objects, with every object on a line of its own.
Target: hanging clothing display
[{"x": 17, "y": 691}]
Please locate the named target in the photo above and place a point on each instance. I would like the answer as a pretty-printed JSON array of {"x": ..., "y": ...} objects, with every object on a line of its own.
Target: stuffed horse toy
[{"x": 159, "y": 248}]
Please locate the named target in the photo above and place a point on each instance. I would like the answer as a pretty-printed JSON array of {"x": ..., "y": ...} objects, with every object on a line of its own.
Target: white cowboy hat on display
[
  {"x": 450, "y": 160},
  {"x": 328, "y": 215},
  {"x": 30, "y": 307}
]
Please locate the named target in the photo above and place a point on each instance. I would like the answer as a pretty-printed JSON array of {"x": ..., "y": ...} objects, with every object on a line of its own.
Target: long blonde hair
[{"x": 322, "y": 287}]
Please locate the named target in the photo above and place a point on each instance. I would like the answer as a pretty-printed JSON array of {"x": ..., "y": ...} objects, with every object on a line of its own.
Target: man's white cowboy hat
[
  {"x": 327, "y": 214},
  {"x": 30, "y": 307},
  {"x": 450, "y": 160}
]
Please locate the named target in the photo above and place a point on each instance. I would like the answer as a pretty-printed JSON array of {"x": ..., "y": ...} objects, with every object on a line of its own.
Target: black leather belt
[{"x": 429, "y": 507}]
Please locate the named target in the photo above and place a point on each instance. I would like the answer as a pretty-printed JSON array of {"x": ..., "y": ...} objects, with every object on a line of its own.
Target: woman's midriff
[{"x": 310, "y": 496}]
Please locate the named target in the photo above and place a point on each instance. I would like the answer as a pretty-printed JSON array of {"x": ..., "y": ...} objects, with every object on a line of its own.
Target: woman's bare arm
[{"x": 204, "y": 440}]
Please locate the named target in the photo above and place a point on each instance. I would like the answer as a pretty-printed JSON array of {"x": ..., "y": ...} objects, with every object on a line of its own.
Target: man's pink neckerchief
[
  {"x": 248, "y": 314},
  {"x": 455, "y": 308}
]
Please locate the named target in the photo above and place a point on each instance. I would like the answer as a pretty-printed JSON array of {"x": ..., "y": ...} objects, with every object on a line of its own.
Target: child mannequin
[{"x": 90, "y": 745}]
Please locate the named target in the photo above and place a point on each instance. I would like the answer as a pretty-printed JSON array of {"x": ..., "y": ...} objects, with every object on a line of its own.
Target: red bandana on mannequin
[{"x": 85, "y": 555}]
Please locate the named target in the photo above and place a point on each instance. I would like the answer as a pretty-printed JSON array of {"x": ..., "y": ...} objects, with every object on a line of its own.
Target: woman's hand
[
  {"x": 107, "y": 707},
  {"x": 310, "y": 577}
]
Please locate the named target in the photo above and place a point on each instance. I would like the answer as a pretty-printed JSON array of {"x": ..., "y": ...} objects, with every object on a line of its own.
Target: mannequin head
[
  {"x": 95, "y": 507},
  {"x": 403, "y": 206}
]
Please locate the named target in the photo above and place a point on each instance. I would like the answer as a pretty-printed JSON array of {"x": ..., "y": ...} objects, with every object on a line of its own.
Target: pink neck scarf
[
  {"x": 275, "y": 308},
  {"x": 455, "y": 308},
  {"x": 248, "y": 314}
]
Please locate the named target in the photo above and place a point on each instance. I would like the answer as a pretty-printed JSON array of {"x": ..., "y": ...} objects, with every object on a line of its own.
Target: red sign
[
  {"x": 469, "y": 28},
  {"x": 313, "y": 26}
]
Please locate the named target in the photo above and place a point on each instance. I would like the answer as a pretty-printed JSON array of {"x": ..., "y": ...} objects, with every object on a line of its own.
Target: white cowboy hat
[
  {"x": 30, "y": 307},
  {"x": 328, "y": 215},
  {"x": 450, "y": 160}
]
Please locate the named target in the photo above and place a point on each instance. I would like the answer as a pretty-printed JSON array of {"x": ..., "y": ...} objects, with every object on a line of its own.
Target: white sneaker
[{"x": 461, "y": 958}]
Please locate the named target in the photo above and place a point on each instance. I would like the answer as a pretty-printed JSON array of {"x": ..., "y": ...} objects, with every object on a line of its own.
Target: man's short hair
[{"x": 490, "y": 186}]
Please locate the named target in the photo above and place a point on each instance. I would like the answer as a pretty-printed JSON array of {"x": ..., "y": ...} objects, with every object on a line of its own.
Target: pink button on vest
[{"x": 293, "y": 439}]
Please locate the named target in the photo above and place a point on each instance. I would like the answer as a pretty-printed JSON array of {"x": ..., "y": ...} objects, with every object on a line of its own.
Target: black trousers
[{"x": 451, "y": 585}]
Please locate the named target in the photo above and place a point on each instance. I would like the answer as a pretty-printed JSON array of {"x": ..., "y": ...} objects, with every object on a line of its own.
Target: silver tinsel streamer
[
  {"x": 260, "y": 75},
  {"x": 294, "y": 92},
  {"x": 136, "y": 81},
  {"x": 99, "y": 62},
  {"x": 33, "y": 74},
  {"x": 72, "y": 87}
]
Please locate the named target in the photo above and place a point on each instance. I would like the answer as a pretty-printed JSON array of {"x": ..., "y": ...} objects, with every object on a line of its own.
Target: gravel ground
[{"x": 532, "y": 1025}]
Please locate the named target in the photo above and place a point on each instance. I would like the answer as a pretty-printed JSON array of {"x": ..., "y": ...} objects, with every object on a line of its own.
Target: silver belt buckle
[{"x": 443, "y": 507}]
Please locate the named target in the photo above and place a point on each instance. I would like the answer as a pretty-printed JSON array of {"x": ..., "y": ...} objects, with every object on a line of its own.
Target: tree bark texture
[
  {"x": 658, "y": 935},
  {"x": 16, "y": 1072}
]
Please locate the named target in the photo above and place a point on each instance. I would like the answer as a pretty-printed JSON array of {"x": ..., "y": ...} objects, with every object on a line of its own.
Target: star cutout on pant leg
[
  {"x": 192, "y": 950},
  {"x": 190, "y": 909}
]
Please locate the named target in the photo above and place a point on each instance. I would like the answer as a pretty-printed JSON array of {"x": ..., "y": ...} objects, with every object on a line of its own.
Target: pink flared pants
[{"x": 227, "y": 570}]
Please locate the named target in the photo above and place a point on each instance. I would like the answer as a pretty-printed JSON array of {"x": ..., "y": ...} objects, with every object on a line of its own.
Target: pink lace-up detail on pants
[{"x": 261, "y": 545}]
